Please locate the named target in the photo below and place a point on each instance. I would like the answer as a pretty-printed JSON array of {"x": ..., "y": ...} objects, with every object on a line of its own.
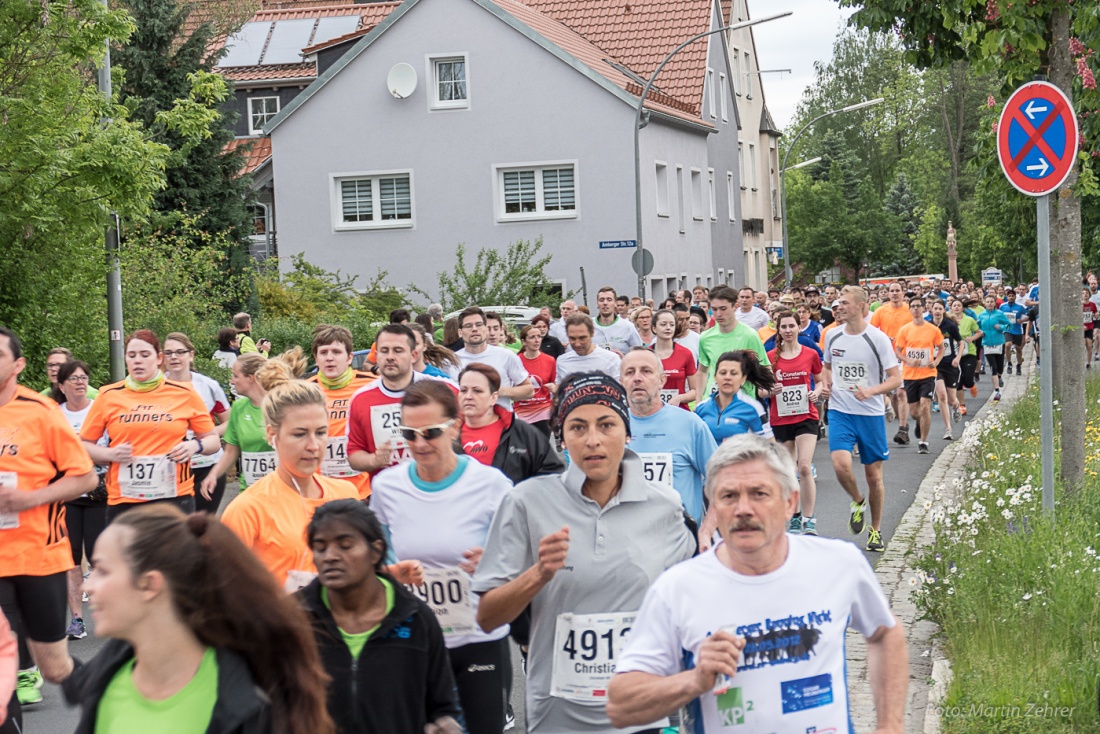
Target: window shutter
[
  {"x": 355, "y": 198},
  {"x": 519, "y": 192}
]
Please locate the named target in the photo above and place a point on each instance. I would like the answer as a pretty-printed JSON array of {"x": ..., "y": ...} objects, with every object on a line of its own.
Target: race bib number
[
  {"x": 9, "y": 480},
  {"x": 1088, "y": 317},
  {"x": 335, "y": 463},
  {"x": 999, "y": 349},
  {"x": 298, "y": 580},
  {"x": 850, "y": 375},
  {"x": 1011, "y": 316},
  {"x": 922, "y": 356},
  {"x": 447, "y": 592},
  {"x": 147, "y": 478},
  {"x": 200, "y": 461},
  {"x": 384, "y": 420},
  {"x": 586, "y": 647},
  {"x": 668, "y": 395},
  {"x": 657, "y": 467},
  {"x": 255, "y": 465},
  {"x": 793, "y": 400}
]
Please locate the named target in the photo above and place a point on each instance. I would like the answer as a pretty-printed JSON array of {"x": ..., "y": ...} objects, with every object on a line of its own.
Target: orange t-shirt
[
  {"x": 152, "y": 423},
  {"x": 336, "y": 455},
  {"x": 271, "y": 519},
  {"x": 889, "y": 319},
  {"x": 918, "y": 341},
  {"x": 826, "y": 330},
  {"x": 37, "y": 445},
  {"x": 765, "y": 332}
]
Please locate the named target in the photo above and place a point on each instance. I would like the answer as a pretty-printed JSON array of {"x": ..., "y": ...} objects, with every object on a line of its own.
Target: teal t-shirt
[
  {"x": 123, "y": 710},
  {"x": 245, "y": 430},
  {"x": 356, "y": 641}
]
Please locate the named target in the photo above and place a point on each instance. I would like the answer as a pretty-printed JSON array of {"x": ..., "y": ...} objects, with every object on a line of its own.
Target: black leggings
[
  {"x": 201, "y": 503},
  {"x": 85, "y": 519},
  {"x": 14, "y": 723},
  {"x": 967, "y": 366},
  {"x": 483, "y": 671},
  {"x": 996, "y": 363},
  {"x": 185, "y": 504}
]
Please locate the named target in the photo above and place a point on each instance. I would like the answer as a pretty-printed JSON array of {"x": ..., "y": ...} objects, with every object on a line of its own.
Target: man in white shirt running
[
  {"x": 557, "y": 328},
  {"x": 584, "y": 356},
  {"x": 860, "y": 366},
  {"x": 515, "y": 381},
  {"x": 612, "y": 331},
  {"x": 752, "y": 635},
  {"x": 748, "y": 313}
]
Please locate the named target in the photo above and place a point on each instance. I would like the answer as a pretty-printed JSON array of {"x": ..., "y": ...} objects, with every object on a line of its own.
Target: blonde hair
[
  {"x": 179, "y": 336},
  {"x": 279, "y": 376},
  {"x": 250, "y": 364},
  {"x": 858, "y": 294}
]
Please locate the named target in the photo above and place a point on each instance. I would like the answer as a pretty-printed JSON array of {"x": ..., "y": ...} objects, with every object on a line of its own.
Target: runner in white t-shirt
[
  {"x": 612, "y": 331},
  {"x": 751, "y": 636},
  {"x": 584, "y": 356},
  {"x": 515, "y": 381}
]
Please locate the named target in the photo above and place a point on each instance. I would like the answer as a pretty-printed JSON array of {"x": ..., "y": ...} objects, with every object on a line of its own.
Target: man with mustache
[{"x": 753, "y": 632}]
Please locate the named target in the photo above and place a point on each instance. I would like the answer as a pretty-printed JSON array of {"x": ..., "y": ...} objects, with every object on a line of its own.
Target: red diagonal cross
[{"x": 1036, "y": 134}]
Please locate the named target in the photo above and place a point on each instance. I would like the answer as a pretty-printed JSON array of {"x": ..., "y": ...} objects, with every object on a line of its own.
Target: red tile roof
[
  {"x": 264, "y": 72},
  {"x": 254, "y": 157},
  {"x": 640, "y": 33}
]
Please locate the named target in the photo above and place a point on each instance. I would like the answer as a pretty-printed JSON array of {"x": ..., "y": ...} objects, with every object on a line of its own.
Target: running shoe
[
  {"x": 962, "y": 409},
  {"x": 76, "y": 629},
  {"x": 27, "y": 687},
  {"x": 809, "y": 526},
  {"x": 874, "y": 541},
  {"x": 813, "y": 470},
  {"x": 935, "y": 406},
  {"x": 996, "y": 395},
  {"x": 956, "y": 415},
  {"x": 947, "y": 436},
  {"x": 509, "y": 719},
  {"x": 794, "y": 525},
  {"x": 974, "y": 390},
  {"x": 889, "y": 411},
  {"x": 1017, "y": 369},
  {"x": 856, "y": 520},
  {"x": 922, "y": 447},
  {"x": 855, "y": 450},
  {"x": 902, "y": 436}
]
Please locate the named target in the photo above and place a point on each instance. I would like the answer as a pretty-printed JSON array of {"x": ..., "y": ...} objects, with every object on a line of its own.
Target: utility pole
[{"x": 114, "y": 272}]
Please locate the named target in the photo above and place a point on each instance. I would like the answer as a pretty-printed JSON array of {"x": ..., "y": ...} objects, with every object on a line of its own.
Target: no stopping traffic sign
[{"x": 1037, "y": 138}]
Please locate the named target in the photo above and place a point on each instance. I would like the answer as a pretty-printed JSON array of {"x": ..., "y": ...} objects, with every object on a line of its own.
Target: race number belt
[
  {"x": 793, "y": 400},
  {"x": 447, "y": 592},
  {"x": 668, "y": 395},
  {"x": 994, "y": 349},
  {"x": 850, "y": 375},
  {"x": 657, "y": 467},
  {"x": 586, "y": 647},
  {"x": 335, "y": 463},
  {"x": 1088, "y": 317},
  {"x": 384, "y": 420},
  {"x": 922, "y": 356},
  {"x": 255, "y": 465},
  {"x": 147, "y": 478}
]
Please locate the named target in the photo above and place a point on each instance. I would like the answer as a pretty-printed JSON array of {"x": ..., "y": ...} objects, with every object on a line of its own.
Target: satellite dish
[{"x": 401, "y": 80}]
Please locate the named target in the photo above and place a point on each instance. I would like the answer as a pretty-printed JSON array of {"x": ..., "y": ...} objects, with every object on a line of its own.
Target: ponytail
[
  {"x": 229, "y": 600},
  {"x": 755, "y": 374}
]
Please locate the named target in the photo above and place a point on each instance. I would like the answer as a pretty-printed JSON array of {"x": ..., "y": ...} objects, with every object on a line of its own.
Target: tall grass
[{"x": 1017, "y": 597}]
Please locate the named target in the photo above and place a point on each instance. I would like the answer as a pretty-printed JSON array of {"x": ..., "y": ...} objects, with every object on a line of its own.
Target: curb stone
[{"x": 929, "y": 669}]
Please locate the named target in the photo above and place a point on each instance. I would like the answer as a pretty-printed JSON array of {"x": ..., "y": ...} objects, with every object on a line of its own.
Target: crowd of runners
[{"x": 626, "y": 495}]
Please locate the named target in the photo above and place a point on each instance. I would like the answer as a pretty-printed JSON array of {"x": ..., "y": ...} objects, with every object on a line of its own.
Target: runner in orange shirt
[
  {"x": 889, "y": 318},
  {"x": 42, "y": 465},
  {"x": 919, "y": 346},
  {"x": 272, "y": 516},
  {"x": 332, "y": 350},
  {"x": 147, "y": 418}
]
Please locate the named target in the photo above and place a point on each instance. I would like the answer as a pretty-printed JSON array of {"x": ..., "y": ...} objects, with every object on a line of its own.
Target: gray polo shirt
[{"x": 615, "y": 554}]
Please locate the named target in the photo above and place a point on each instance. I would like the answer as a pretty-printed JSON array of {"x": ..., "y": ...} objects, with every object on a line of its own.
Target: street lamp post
[
  {"x": 639, "y": 124},
  {"x": 783, "y": 176}
]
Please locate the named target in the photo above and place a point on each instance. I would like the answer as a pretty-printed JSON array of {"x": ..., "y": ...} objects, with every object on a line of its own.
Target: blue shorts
[{"x": 866, "y": 431}]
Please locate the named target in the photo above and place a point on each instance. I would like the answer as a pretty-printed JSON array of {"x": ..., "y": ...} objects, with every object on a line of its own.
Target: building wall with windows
[{"x": 369, "y": 182}]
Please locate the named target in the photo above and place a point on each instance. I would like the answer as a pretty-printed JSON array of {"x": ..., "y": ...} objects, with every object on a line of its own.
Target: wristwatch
[{"x": 199, "y": 442}]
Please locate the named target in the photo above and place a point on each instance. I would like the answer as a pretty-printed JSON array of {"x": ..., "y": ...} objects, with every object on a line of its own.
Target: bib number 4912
[{"x": 592, "y": 643}]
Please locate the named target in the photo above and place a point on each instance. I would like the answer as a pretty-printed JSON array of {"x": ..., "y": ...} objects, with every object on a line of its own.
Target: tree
[
  {"x": 1018, "y": 40},
  {"x": 902, "y": 258},
  {"x": 514, "y": 277}
]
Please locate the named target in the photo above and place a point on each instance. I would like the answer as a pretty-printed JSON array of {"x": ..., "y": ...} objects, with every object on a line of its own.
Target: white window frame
[
  {"x": 680, "y": 196},
  {"x": 498, "y": 171},
  {"x": 252, "y": 129},
  {"x": 434, "y": 102},
  {"x": 722, "y": 89},
  {"x": 696, "y": 194},
  {"x": 741, "y": 162},
  {"x": 712, "y": 195},
  {"x": 336, "y": 203},
  {"x": 711, "y": 96},
  {"x": 736, "y": 71},
  {"x": 729, "y": 196},
  {"x": 661, "y": 181},
  {"x": 752, "y": 166},
  {"x": 748, "y": 76}
]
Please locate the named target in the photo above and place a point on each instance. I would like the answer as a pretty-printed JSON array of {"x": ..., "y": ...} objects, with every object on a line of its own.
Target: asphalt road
[{"x": 903, "y": 474}]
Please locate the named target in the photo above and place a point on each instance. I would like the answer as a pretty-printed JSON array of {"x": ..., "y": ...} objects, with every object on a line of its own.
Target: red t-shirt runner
[
  {"x": 794, "y": 376},
  {"x": 481, "y": 443},
  {"x": 543, "y": 370},
  {"x": 679, "y": 366}
]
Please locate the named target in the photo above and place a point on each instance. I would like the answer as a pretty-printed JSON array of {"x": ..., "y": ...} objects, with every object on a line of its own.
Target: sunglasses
[{"x": 428, "y": 433}]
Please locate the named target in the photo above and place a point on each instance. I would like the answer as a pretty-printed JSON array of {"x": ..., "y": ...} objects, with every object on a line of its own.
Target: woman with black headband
[{"x": 581, "y": 548}]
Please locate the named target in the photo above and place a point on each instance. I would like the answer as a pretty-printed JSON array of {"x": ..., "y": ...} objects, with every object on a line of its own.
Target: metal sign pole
[{"x": 1046, "y": 377}]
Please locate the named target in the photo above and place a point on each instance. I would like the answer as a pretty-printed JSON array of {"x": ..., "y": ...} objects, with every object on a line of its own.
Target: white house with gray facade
[{"x": 520, "y": 126}]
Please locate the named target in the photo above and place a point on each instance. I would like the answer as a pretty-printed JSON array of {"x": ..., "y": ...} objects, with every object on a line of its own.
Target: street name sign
[
  {"x": 1037, "y": 138},
  {"x": 617, "y": 244}
]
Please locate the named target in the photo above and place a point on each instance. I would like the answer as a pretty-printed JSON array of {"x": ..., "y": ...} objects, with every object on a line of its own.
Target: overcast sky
[{"x": 795, "y": 43}]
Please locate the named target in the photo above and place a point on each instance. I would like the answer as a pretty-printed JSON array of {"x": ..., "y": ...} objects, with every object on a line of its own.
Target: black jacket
[
  {"x": 524, "y": 451},
  {"x": 551, "y": 345},
  {"x": 242, "y": 708},
  {"x": 402, "y": 679}
]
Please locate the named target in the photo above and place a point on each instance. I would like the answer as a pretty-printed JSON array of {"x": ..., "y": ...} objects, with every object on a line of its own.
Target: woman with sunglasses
[
  {"x": 179, "y": 361},
  {"x": 271, "y": 517},
  {"x": 437, "y": 509}
]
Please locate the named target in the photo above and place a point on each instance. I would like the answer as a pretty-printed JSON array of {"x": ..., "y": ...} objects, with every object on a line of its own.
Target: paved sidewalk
[{"x": 894, "y": 569}]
